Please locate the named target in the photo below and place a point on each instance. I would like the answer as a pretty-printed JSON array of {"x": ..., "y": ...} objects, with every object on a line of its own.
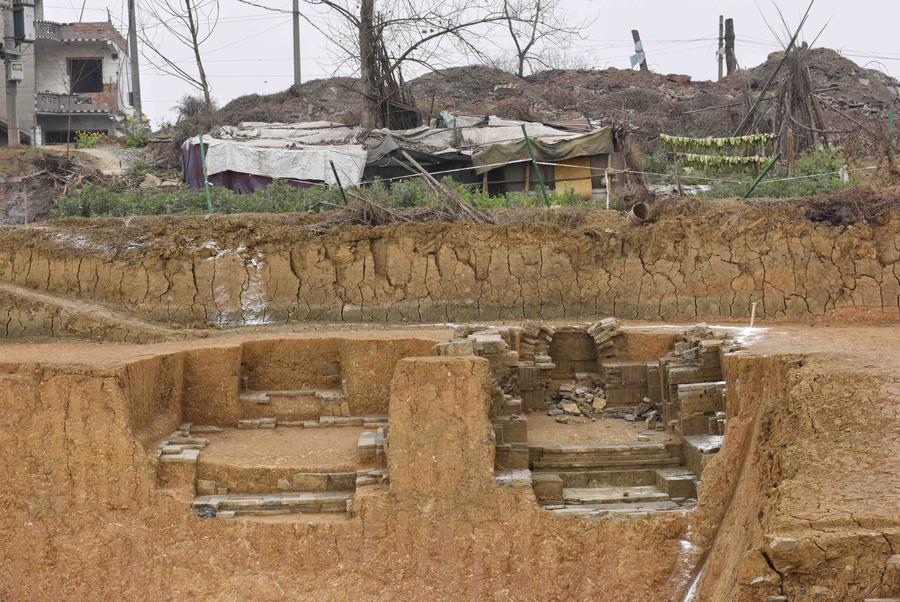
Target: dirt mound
[
  {"x": 650, "y": 103},
  {"x": 30, "y": 178}
]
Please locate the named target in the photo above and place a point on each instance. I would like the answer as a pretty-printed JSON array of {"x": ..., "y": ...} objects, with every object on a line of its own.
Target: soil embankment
[{"x": 697, "y": 262}]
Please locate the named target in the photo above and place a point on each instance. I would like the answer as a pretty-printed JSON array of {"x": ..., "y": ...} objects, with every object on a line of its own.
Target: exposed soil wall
[
  {"x": 708, "y": 263},
  {"x": 814, "y": 513}
]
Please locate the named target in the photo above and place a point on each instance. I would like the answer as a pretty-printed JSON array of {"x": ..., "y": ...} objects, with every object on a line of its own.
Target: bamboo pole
[
  {"x": 536, "y": 168},
  {"x": 337, "y": 179},
  {"x": 205, "y": 176}
]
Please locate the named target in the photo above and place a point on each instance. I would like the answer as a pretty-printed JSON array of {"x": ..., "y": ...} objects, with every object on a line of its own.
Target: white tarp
[{"x": 305, "y": 163}]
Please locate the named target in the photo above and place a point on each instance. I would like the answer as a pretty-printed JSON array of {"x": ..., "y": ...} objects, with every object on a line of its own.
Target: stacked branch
[{"x": 798, "y": 118}]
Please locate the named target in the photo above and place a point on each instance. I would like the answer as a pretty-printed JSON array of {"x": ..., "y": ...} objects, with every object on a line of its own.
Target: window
[{"x": 86, "y": 75}]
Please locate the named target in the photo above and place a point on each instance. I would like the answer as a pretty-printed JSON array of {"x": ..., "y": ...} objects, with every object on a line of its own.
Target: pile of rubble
[{"x": 577, "y": 400}]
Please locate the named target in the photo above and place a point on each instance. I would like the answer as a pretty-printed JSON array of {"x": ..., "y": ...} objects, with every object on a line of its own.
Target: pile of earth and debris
[
  {"x": 31, "y": 178},
  {"x": 649, "y": 103},
  {"x": 573, "y": 401}
]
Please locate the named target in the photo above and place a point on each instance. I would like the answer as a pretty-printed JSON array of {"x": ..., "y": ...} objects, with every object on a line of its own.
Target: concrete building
[
  {"x": 82, "y": 80},
  {"x": 75, "y": 78}
]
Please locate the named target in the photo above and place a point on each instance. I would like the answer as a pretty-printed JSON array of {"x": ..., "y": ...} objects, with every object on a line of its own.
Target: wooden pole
[
  {"x": 205, "y": 177},
  {"x": 295, "y": 26},
  {"x": 752, "y": 314},
  {"x": 765, "y": 89},
  {"x": 720, "y": 55},
  {"x": 608, "y": 186},
  {"x": 789, "y": 149},
  {"x": 639, "y": 49},
  {"x": 763, "y": 175}
]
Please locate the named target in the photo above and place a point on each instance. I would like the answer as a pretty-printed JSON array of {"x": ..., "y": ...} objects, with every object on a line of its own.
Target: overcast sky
[{"x": 250, "y": 50}]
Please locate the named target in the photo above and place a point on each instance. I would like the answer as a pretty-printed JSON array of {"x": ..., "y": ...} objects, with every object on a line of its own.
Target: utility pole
[
  {"x": 730, "y": 59},
  {"x": 296, "y": 18},
  {"x": 135, "y": 64},
  {"x": 639, "y": 56},
  {"x": 11, "y": 54},
  {"x": 720, "y": 55}
]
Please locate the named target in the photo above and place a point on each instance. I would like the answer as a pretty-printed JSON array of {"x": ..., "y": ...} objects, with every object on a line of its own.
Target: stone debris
[
  {"x": 374, "y": 476},
  {"x": 574, "y": 400},
  {"x": 180, "y": 446}
]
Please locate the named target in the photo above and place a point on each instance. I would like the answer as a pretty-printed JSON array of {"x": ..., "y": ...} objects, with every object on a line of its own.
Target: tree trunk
[
  {"x": 204, "y": 84},
  {"x": 730, "y": 59},
  {"x": 369, "y": 117}
]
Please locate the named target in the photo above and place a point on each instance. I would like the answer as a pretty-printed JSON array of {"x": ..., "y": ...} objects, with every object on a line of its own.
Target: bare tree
[
  {"x": 539, "y": 31},
  {"x": 380, "y": 41},
  {"x": 189, "y": 22}
]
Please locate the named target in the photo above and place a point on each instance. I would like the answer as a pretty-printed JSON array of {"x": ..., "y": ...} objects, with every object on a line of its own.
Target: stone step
[
  {"x": 512, "y": 428},
  {"x": 603, "y": 457},
  {"x": 293, "y": 405},
  {"x": 632, "y": 449},
  {"x": 209, "y": 506},
  {"x": 677, "y": 482},
  {"x": 612, "y": 495},
  {"x": 370, "y": 448},
  {"x": 613, "y": 510},
  {"x": 581, "y": 466}
]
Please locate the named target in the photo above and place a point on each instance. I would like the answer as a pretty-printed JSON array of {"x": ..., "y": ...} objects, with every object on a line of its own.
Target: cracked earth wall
[
  {"x": 707, "y": 265},
  {"x": 800, "y": 501}
]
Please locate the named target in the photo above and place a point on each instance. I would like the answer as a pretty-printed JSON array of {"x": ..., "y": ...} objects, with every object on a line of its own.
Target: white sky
[{"x": 250, "y": 51}]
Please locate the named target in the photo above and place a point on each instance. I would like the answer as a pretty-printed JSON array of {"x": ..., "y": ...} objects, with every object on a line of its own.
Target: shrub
[
  {"x": 816, "y": 172},
  {"x": 135, "y": 132},
  {"x": 87, "y": 139}
]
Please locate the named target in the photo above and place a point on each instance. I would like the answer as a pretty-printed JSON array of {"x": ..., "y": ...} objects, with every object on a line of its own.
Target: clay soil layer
[{"x": 707, "y": 261}]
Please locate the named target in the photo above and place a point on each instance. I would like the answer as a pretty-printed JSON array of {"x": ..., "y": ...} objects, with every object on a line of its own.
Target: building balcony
[
  {"x": 80, "y": 32},
  {"x": 51, "y": 102}
]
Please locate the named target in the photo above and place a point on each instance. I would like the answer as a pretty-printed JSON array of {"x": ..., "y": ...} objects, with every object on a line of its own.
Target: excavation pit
[{"x": 422, "y": 444}]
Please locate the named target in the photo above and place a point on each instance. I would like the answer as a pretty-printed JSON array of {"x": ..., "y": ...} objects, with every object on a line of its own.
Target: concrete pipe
[{"x": 639, "y": 214}]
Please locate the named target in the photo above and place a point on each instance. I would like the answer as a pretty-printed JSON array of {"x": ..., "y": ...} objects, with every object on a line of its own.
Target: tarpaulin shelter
[
  {"x": 250, "y": 155},
  {"x": 576, "y": 161}
]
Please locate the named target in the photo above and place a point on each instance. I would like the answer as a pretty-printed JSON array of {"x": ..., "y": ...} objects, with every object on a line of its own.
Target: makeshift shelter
[
  {"x": 573, "y": 161},
  {"x": 249, "y": 156},
  {"x": 473, "y": 150}
]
